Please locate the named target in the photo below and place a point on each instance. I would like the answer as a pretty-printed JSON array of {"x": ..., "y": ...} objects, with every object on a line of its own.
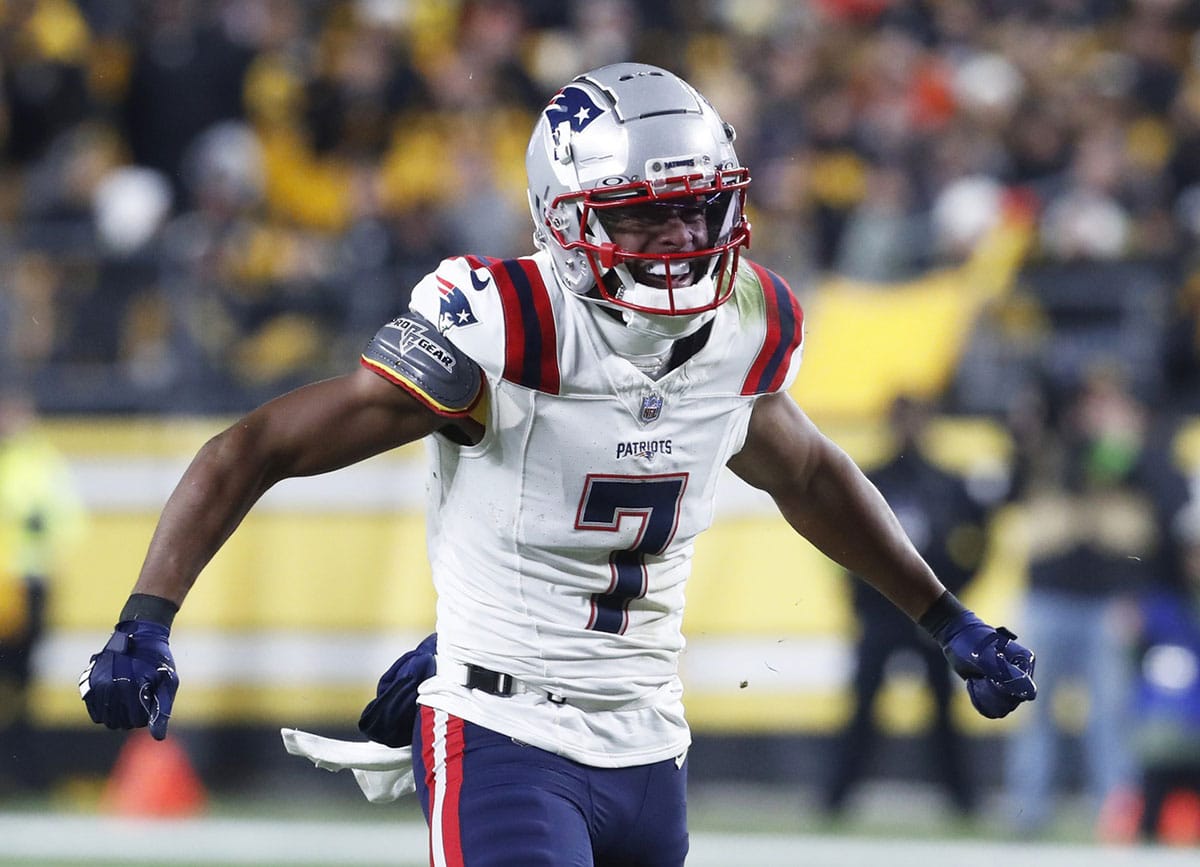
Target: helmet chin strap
[
  {"x": 663, "y": 326},
  {"x": 654, "y": 326},
  {"x": 641, "y": 333}
]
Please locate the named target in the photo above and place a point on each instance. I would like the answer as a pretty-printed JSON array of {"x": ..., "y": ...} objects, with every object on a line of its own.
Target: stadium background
[{"x": 204, "y": 204}]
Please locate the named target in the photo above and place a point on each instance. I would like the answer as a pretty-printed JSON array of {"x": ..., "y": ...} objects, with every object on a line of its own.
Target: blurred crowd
[{"x": 205, "y": 202}]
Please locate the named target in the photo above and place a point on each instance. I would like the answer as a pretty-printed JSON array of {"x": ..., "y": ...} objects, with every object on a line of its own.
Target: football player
[{"x": 580, "y": 405}]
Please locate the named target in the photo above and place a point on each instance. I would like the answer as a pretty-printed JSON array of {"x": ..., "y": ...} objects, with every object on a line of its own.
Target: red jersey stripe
[
  {"x": 785, "y": 331},
  {"x": 530, "y": 338}
]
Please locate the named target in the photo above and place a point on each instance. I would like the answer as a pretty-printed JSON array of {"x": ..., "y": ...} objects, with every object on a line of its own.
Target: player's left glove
[
  {"x": 998, "y": 671},
  {"x": 132, "y": 682}
]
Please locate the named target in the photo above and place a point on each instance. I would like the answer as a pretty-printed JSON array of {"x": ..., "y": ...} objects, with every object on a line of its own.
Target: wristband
[
  {"x": 944, "y": 609},
  {"x": 144, "y": 606}
]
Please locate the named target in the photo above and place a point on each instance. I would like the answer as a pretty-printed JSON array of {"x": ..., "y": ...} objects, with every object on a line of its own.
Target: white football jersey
[{"x": 562, "y": 542}]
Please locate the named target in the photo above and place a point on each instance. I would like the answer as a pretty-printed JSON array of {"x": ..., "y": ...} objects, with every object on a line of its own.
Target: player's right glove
[
  {"x": 132, "y": 682},
  {"x": 998, "y": 671}
]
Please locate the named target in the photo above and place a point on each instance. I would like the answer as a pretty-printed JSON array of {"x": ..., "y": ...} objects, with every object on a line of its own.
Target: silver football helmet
[{"x": 635, "y": 142}]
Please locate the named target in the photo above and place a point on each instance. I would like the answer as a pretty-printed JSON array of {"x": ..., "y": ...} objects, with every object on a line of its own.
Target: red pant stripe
[{"x": 442, "y": 735}]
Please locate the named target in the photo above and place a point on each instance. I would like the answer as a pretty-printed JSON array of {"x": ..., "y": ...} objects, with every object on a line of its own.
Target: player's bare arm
[
  {"x": 827, "y": 499},
  {"x": 412, "y": 382},
  {"x": 314, "y": 429}
]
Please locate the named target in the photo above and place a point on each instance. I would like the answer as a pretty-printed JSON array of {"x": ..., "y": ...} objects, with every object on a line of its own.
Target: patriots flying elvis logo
[
  {"x": 574, "y": 105},
  {"x": 455, "y": 309}
]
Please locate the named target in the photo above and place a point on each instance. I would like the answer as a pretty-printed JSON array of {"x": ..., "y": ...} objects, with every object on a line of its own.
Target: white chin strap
[
  {"x": 664, "y": 324},
  {"x": 658, "y": 325}
]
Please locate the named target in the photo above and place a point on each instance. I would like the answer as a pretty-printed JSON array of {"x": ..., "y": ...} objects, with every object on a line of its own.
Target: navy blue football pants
[{"x": 491, "y": 801}]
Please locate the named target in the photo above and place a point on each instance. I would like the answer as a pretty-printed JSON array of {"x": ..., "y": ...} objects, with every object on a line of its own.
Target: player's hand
[
  {"x": 998, "y": 671},
  {"x": 132, "y": 682}
]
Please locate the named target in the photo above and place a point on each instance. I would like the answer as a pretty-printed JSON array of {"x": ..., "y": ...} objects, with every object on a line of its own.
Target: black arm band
[
  {"x": 143, "y": 606},
  {"x": 941, "y": 612}
]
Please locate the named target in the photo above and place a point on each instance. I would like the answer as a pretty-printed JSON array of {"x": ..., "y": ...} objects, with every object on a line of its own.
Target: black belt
[
  {"x": 498, "y": 683},
  {"x": 491, "y": 682}
]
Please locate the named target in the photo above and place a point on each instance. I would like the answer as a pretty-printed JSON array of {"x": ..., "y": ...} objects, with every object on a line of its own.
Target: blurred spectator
[
  {"x": 947, "y": 524},
  {"x": 40, "y": 518},
  {"x": 884, "y": 238},
  {"x": 1096, "y": 490},
  {"x": 1181, "y": 346},
  {"x": 1085, "y": 219},
  {"x": 1166, "y": 696},
  {"x": 186, "y": 75},
  {"x": 46, "y": 89},
  {"x": 962, "y": 214}
]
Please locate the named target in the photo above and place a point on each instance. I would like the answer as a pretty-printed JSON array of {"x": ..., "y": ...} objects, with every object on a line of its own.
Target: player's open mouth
[{"x": 655, "y": 274}]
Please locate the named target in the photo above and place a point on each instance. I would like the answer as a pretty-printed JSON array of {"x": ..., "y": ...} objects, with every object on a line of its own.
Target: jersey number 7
[{"x": 654, "y": 501}]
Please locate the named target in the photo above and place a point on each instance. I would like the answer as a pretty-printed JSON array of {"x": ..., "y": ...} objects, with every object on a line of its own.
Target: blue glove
[
  {"x": 389, "y": 718},
  {"x": 998, "y": 671},
  {"x": 132, "y": 682}
]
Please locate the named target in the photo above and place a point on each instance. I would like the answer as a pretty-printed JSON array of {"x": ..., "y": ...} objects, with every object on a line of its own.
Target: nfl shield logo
[{"x": 651, "y": 407}]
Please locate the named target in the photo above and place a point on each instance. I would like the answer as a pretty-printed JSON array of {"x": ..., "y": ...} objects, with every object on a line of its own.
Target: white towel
[{"x": 383, "y": 773}]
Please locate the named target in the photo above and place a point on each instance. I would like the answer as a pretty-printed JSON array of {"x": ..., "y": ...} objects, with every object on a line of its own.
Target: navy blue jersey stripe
[
  {"x": 534, "y": 363},
  {"x": 783, "y": 337}
]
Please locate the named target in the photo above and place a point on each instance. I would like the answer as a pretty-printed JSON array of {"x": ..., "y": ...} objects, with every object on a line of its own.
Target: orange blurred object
[
  {"x": 153, "y": 778},
  {"x": 1179, "y": 820}
]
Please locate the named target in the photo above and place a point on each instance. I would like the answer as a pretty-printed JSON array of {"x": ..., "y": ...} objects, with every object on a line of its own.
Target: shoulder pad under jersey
[
  {"x": 410, "y": 352},
  {"x": 778, "y": 359}
]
